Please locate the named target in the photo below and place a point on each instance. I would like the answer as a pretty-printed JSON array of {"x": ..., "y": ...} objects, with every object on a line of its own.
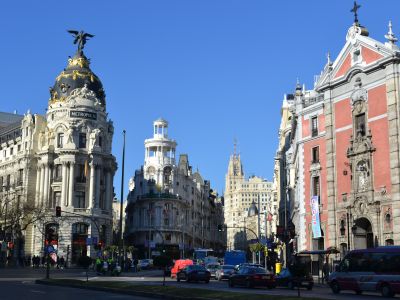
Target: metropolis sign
[{"x": 82, "y": 114}]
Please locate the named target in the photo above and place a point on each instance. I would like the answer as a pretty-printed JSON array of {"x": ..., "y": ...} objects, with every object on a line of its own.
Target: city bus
[
  {"x": 201, "y": 254},
  {"x": 373, "y": 270}
]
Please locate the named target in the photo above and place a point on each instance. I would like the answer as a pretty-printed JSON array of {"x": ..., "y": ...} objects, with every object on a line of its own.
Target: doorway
[{"x": 362, "y": 234}]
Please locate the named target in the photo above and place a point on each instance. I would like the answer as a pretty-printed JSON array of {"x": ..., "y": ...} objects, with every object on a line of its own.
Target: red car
[
  {"x": 252, "y": 277},
  {"x": 180, "y": 264}
]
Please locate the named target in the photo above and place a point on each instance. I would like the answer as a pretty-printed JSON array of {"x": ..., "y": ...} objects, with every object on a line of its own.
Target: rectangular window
[
  {"x": 100, "y": 141},
  {"x": 56, "y": 200},
  {"x": 4, "y": 153},
  {"x": 57, "y": 172},
  {"x": 1, "y": 183},
  {"x": 316, "y": 187},
  {"x": 80, "y": 200},
  {"x": 360, "y": 124},
  {"x": 11, "y": 151},
  {"x": 81, "y": 178},
  {"x": 60, "y": 140},
  {"x": 20, "y": 177},
  {"x": 314, "y": 126},
  {"x": 82, "y": 140},
  {"x": 19, "y": 148},
  {"x": 8, "y": 182},
  {"x": 315, "y": 155}
]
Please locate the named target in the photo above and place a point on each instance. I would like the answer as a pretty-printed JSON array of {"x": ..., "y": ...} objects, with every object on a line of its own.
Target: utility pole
[
  {"x": 120, "y": 244},
  {"x": 259, "y": 226}
]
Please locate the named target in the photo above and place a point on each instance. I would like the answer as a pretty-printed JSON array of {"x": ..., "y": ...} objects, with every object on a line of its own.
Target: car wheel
[
  {"x": 386, "y": 291},
  {"x": 178, "y": 279},
  {"x": 231, "y": 283},
  {"x": 219, "y": 278},
  {"x": 358, "y": 292},
  {"x": 290, "y": 285},
  {"x": 207, "y": 281},
  {"x": 309, "y": 287},
  {"x": 335, "y": 287}
]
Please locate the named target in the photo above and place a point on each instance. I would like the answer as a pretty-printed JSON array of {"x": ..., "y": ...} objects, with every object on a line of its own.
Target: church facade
[
  {"x": 345, "y": 149},
  {"x": 60, "y": 159}
]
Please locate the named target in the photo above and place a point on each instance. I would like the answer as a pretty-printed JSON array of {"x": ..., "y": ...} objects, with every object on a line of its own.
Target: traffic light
[
  {"x": 220, "y": 227},
  {"x": 58, "y": 211}
]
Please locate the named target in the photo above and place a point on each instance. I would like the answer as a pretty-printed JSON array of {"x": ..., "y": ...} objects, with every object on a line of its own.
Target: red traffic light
[{"x": 58, "y": 211}]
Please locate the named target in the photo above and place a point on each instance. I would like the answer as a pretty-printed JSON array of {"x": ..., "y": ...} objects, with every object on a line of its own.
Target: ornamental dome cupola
[
  {"x": 77, "y": 75},
  {"x": 253, "y": 211}
]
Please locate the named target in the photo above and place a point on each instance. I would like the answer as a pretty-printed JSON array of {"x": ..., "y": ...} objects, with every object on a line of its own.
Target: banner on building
[{"x": 315, "y": 222}]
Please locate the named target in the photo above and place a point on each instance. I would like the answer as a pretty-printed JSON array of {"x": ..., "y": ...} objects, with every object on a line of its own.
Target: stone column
[
  {"x": 46, "y": 185},
  {"x": 71, "y": 183},
  {"x": 91, "y": 185},
  {"x": 97, "y": 187},
  {"x": 108, "y": 200},
  {"x": 64, "y": 184},
  {"x": 41, "y": 196},
  {"x": 37, "y": 191}
]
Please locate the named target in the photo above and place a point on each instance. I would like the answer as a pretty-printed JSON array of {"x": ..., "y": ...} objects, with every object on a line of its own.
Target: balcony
[{"x": 314, "y": 132}]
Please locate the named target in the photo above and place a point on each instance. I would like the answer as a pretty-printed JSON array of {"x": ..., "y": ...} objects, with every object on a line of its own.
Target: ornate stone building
[
  {"x": 244, "y": 198},
  {"x": 345, "y": 149},
  {"x": 170, "y": 205},
  {"x": 61, "y": 159}
]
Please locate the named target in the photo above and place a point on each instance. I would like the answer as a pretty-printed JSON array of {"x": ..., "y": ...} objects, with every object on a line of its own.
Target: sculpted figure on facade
[
  {"x": 70, "y": 137},
  {"x": 94, "y": 136}
]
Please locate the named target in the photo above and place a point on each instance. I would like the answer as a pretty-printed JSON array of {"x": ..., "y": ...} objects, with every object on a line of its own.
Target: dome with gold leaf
[{"x": 75, "y": 76}]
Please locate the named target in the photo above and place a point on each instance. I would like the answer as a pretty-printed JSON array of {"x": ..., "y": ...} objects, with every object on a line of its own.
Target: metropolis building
[
  {"x": 62, "y": 158},
  {"x": 169, "y": 205}
]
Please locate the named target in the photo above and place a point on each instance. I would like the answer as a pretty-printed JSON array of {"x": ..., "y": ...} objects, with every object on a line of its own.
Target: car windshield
[
  {"x": 228, "y": 267},
  {"x": 257, "y": 270},
  {"x": 196, "y": 267}
]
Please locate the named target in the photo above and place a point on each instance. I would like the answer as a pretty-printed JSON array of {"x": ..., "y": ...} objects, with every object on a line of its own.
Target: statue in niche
[
  {"x": 42, "y": 140},
  {"x": 363, "y": 174}
]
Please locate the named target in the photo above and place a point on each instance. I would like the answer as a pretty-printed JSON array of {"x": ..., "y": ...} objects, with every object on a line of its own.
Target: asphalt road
[
  {"x": 18, "y": 284},
  {"x": 28, "y": 290}
]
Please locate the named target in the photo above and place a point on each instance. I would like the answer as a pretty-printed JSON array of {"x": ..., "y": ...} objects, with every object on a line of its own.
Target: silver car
[{"x": 224, "y": 272}]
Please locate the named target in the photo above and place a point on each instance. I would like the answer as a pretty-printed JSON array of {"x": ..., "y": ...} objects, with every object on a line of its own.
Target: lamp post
[{"x": 120, "y": 244}]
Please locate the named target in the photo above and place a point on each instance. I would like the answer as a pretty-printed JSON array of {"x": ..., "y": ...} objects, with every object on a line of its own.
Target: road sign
[
  {"x": 88, "y": 241},
  {"x": 152, "y": 244}
]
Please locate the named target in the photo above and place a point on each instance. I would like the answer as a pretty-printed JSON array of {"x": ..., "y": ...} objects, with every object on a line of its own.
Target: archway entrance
[
  {"x": 79, "y": 237},
  {"x": 362, "y": 234}
]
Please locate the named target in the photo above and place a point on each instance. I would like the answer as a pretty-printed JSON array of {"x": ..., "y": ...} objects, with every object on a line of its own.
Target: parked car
[
  {"x": 224, "y": 271},
  {"x": 252, "y": 277},
  {"x": 212, "y": 268},
  {"x": 286, "y": 278},
  {"x": 194, "y": 273},
  {"x": 145, "y": 264},
  {"x": 179, "y": 265}
]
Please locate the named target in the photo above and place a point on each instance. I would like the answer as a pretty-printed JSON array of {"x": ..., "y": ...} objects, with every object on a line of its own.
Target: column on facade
[
  {"x": 108, "y": 197},
  {"x": 71, "y": 185},
  {"x": 64, "y": 184},
  {"x": 41, "y": 192},
  {"x": 38, "y": 176},
  {"x": 97, "y": 188},
  {"x": 46, "y": 184},
  {"x": 91, "y": 185}
]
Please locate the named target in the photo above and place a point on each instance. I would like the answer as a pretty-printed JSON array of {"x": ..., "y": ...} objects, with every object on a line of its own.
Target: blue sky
[{"x": 215, "y": 69}]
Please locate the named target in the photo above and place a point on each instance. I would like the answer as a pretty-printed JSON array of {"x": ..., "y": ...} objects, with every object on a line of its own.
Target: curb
[{"x": 119, "y": 291}]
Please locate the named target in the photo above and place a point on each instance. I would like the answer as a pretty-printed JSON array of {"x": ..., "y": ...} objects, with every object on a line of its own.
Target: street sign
[
  {"x": 88, "y": 241},
  {"x": 181, "y": 246},
  {"x": 4, "y": 246},
  {"x": 152, "y": 244},
  {"x": 155, "y": 253}
]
